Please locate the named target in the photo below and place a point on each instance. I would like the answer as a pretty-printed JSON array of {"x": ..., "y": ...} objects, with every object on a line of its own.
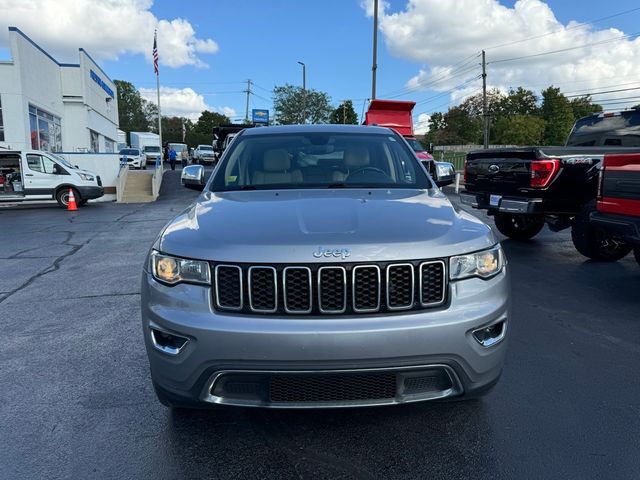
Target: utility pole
[
  {"x": 374, "y": 65},
  {"x": 304, "y": 92},
  {"x": 246, "y": 115},
  {"x": 485, "y": 114}
]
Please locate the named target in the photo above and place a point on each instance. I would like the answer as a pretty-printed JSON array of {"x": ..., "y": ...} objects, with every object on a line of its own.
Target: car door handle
[{"x": 28, "y": 174}]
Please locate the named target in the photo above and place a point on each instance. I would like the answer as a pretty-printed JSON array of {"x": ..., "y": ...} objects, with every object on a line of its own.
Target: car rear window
[
  {"x": 621, "y": 129},
  {"x": 319, "y": 160},
  {"x": 129, "y": 151}
]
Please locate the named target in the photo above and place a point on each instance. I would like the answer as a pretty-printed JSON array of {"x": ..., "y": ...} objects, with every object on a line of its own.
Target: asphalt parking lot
[{"x": 77, "y": 402}]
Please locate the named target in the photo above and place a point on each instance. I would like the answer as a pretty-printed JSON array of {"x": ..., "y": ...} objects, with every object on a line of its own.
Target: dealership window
[
  {"x": 46, "y": 132},
  {"x": 1, "y": 123},
  {"x": 95, "y": 141},
  {"x": 109, "y": 145}
]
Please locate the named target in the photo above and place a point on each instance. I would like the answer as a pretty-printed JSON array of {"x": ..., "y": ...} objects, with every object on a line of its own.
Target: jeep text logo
[{"x": 332, "y": 252}]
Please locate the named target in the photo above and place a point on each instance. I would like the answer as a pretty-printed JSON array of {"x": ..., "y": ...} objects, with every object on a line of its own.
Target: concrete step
[{"x": 137, "y": 198}]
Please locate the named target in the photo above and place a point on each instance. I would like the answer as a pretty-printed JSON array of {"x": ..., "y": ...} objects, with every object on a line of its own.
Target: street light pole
[
  {"x": 374, "y": 65},
  {"x": 304, "y": 92}
]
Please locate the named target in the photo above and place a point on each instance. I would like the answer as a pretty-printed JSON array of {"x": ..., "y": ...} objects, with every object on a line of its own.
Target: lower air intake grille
[{"x": 332, "y": 388}]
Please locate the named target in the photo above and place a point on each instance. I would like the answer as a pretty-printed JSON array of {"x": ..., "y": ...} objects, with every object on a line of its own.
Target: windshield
[
  {"x": 178, "y": 147},
  {"x": 205, "y": 147},
  {"x": 620, "y": 129},
  {"x": 63, "y": 161},
  {"x": 319, "y": 160},
  {"x": 415, "y": 144},
  {"x": 152, "y": 148},
  {"x": 129, "y": 151}
]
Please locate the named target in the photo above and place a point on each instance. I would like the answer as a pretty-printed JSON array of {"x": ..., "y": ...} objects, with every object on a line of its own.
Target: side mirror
[
  {"x": 193, "y": 177},
  {"x": 445, "y": 173}
]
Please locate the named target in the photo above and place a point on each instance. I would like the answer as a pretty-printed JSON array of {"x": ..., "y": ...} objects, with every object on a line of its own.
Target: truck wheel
[
  {"x": 62, "y": 197},
  {"x": 595, "y": 243},
  {"x": 518, "y": 227}
]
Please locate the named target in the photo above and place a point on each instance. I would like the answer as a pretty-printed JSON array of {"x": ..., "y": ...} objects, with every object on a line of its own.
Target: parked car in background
[
  {"x": 204, "y": 154},
  {"x": 220, "y": 134},
  {"x": 524, "y": 188},
  {"x": 182, "y": 152},
  {"x": 133, "y": 157},
  {"x": 617, "y": 216},
  {"x": 322, "y": 267},
  {"x": 32, "y": 176}
]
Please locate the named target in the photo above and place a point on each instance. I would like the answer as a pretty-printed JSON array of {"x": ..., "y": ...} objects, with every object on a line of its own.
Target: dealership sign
[
  {"x": 94, "y": 76},
  {"x": 260, "y": 116}
]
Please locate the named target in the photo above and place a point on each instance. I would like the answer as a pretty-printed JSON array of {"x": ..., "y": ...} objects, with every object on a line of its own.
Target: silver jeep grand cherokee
[{"x": 322, "y": 267}]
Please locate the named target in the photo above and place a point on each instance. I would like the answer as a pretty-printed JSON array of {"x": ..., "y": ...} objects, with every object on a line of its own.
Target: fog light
[
  {"x": 491, "y": 334},
  {"x": 167, "y": 342}
]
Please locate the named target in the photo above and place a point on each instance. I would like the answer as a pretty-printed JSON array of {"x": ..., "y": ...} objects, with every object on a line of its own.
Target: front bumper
[
  {"x": 91, "y": 192},
  {"x": 624, "y": 227},
  {"x": 428, "y": 343},
  {"x": 482, "y": 201}
]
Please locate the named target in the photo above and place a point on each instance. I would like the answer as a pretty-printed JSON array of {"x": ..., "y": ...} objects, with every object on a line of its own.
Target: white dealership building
[{"x": 59, "y": 107}]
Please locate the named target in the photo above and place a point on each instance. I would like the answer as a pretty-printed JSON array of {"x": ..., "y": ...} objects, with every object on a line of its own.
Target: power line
[
  {"x": 602, "y": 93},
  {"x": 435, "y": 81},
  {"x": 580, "y": 25},
  {"x": 602, "y": 42},
  {"x": 457, "y": 87}
]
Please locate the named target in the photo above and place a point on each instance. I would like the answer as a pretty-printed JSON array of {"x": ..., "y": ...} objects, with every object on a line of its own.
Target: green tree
[
  {"x": 208, "y": 120},
  {"x": 290, "y": 103},
  {"x": 461, "y": 128},
  {"x": 344, "y": 114},
  {"x": 518, "y": 102},
  {"x": 557, "y": 114},
  {"x": 172, "y": 128},
  {"x": 150, "y": 110},
  {"x": 519, "y": 130},
  {"x": 583, "y": 106},
  {"x": 131, "y": 114}
]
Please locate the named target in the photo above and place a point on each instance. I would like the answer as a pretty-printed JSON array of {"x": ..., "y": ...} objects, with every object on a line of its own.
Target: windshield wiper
[
  {"x": 248, "y": 187},
  {"x": 336, "y": 185}
]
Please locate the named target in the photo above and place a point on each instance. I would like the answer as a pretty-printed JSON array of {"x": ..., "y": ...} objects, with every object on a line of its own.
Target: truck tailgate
[{"x": 499, "y": 171}]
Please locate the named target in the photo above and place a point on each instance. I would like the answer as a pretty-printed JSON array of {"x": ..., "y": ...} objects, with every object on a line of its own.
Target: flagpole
[
  {"x": 157, "y": 71},
  {"x": 159, "y": 118}
]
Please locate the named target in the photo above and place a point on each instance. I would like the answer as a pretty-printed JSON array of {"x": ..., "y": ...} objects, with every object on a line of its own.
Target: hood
[{"x": 289, "y": 226}]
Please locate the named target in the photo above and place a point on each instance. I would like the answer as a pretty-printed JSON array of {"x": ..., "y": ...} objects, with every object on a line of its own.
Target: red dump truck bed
[{"x": 393, "y": 114}]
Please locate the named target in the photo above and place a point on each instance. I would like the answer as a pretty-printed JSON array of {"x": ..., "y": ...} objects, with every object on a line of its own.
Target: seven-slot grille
[{"x": 329, "y": 289}]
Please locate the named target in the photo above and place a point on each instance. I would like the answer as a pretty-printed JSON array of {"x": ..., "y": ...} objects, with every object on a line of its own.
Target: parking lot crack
[{"x": 51, "y": 268}]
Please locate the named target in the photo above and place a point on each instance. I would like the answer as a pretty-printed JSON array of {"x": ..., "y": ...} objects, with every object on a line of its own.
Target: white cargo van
[{"x": 32, "y": 175}]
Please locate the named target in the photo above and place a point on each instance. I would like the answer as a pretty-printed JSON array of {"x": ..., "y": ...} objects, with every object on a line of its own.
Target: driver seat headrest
[
  {"x": 276, "y": 160},
  {"x": 355, "y": 157}
]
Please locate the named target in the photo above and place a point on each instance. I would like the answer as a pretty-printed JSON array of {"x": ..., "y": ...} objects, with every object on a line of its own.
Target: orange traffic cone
[{"x": 71, "y": 205}]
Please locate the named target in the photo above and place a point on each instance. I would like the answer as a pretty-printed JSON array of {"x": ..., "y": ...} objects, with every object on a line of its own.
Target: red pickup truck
[{"x": 617, "y": 218}]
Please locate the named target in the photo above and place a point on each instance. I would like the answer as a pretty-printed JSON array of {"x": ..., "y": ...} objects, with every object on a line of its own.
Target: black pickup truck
[{"x": 524, "y": 188}]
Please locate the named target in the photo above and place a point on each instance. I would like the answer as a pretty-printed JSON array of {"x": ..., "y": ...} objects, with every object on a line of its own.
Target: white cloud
[
  {"x": 178, "y": 102},
  {"x": 228, "y": 111},
  {"x": 183, "y": 102},
  {"x": 422, "y": 125},
  {"x": 105, "y": 28},
  {"x": 442, "y": 36}
]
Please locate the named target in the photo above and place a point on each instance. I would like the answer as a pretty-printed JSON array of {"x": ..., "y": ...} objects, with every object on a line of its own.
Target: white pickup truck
[
  {"x": 32, "y": 175},
  {"x": 203, "y": 154}
]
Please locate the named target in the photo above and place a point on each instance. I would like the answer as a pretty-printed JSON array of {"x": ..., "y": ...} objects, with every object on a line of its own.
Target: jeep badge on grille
[{"x": 343, "y": 253}]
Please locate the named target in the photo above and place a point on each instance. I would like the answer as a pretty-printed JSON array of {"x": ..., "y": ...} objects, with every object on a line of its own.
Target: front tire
[
  {"x": 62, "y": 197},
  {"x": 593, "y": 242},
  {"x": 518, "y": 227}
]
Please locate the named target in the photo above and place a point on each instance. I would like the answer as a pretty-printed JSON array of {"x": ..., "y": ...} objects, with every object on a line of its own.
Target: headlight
[
  {"x": 173, "y": 270},
  {"x": 484, "y": 264},
  {"x": 88, "y": 178}
]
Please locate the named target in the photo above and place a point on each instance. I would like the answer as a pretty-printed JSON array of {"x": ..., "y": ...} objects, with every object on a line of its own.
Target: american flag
[{"x": 155, "y": 52}]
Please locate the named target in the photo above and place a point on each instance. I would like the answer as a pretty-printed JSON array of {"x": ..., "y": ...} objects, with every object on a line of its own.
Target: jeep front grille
[{"x": 330, "y": 289}]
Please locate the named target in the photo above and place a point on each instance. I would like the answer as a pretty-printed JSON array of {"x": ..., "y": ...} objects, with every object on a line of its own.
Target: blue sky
[{"x": 263, "y": 40}]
